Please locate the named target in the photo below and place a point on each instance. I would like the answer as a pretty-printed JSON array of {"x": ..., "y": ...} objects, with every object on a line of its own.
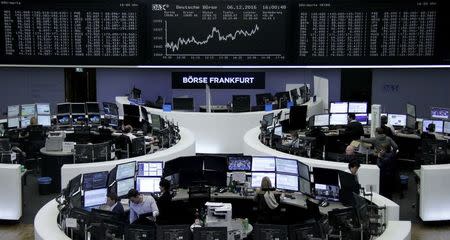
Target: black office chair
[
  {"x": 101, "y": 152},
  {"x": 433, "y": 151},
  {"x": 84, "y": 153},
  {"x": 138, "y": 147},
  {"x": 35, "y": 141},
  {"x": 5, "y": 151},
  {"x": 123, "y": 144}
]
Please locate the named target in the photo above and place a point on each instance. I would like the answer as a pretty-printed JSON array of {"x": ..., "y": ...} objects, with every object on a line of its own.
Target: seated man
[
  {"x": 354, "y": 129},
  {"x": 127, "y": 131},
  {"x": 114, "y": 204},
  {"x": 429, "y": 134},
  {"x": 143, "y": 208},
  {"x": 388, "y": 130}
]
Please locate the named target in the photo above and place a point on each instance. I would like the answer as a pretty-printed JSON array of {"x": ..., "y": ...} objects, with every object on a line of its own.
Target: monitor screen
[
  {"x": 263, "y": 164},
  {"x": 124, "y": 185},
  {"x": 156, "y": 121},
  {"x": 78, "y": 108},
  {"x": 125, "y": 170},
  {"x": 357, "y": 107},
  {"x": 294, "y": 94},
  {"x": 263, "y": 98},
  {"x": 258, "y": 176},
  {"x": 370, "y": 116},
  {"x": 95, "y": 197},
  {"x": 113, "y": 122},
  {"x": 150, "y": 169},
  {"x": 362, "y": 118},
  {"x": 239, "y": 163},
  {"x": 110, "y": 109},
  {"x": 43, "y": 108},
  {"x": 79, "y": 119},
  {"x": 93, "y": 107},
  {"x": 25, "y": 121},
  {"x": 131, "y": 110},
  {"x": 278, "y": 131},
  {"x": 13, "y": 111},
  {"x": 326, "y": 192},
  {"x": 147, "y": 184},
  {"x": 268, "y": 118},
  {"x": 321, "y": 120},
  {"x": 210, "y": 233},
  {"x": 63, "y": 108},
  {"x": 397, "y": 120},
  {"x": 64, "y": 120},
  {"x": 305, "y": 186},
  {"x": 28, "y": 109},
  {"x": 303, "y": 171},
  {"x": 338, "y": 107},
  {"x": 172, "y": 232},
  {"x": 411, "y": 109},
  {"x": 447, "y": 127},
  {"x": 338, "y": 119},
  {"x": 13, "y": 122},
  {"x": 439, "y": 125},
  {"x": 410, "y": 121},
  {"x": 438, "y": 112},
  {"x": 94, "y": 119},
  {"x": 287, "y": 182},
  {"x": 184, "y": 104},
  {"x": 95, "y": 180},
  {"x": 284, "y": 165},
  {"x": 44, "y": 120},
  {"x": 326, "y": 176}
]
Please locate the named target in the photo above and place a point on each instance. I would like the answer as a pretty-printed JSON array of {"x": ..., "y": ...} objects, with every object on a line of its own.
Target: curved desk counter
[
  {"x": 185, "y": 147},
  {"x": 367, "y": 174},
  {"x": 219, "y": 132},
  {"x": 11, "y": 192},
  {"x": 434, "y": 197}
]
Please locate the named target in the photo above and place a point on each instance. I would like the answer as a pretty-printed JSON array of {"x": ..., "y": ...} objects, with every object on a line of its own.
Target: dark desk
[{"x": 51, "y": 164}]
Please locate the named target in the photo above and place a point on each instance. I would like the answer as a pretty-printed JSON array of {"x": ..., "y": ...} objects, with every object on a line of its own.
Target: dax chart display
[{"x": 213, "y": 31}]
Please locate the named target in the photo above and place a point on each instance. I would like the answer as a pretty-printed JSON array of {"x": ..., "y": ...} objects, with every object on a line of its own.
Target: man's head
[
  {"x": 351, "y": 116},
  {"x": 349, "y": 150},
  {"x": 164, "y": 185},
  {"x": 431, "y": 127},
  {"x": 384, "y": 120},
  {"x": 111, "y": 199},
  {"x": 127, "y": 129},
  {"x": 379, "y": 131},
  {"x": 134, "y": 196},
  {"x": 353, "y": 166}
]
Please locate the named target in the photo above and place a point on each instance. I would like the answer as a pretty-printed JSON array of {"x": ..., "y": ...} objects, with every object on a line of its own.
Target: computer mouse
[{"x": 324, "y": 204}]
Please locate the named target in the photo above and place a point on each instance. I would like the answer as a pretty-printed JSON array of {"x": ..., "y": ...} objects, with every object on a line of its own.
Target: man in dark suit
[
  {"x": 164, "y": 202},
  {"x": 116, "y": 207},
  {"x": 354, "y": 129}
]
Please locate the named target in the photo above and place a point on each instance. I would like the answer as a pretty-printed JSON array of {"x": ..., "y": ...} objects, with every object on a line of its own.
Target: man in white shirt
[
  {"x": 127, "y": 132},
  {"x": 143, "y": 208}
]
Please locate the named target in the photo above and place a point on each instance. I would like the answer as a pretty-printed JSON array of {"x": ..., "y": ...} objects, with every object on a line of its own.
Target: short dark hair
[
  {"x": 380, "y": 130},
  {"x": 165, "y": 184},
  {"x": 127, "y": 129},
  {"x": 431, "y": 127},
  {"x": 353, "y": 164},
  {"x": 384, "y": 120},
  {"x": 352, "y": 116},
  {"x": 133, "y": 193},
  {"x": 113, "y": 196}
]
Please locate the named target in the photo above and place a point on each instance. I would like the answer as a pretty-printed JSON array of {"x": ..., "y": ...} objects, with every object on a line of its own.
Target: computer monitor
[
  {"x": 362, "y": 118},
  {"x": 326, "y": 176},
  {"x": 303, "y": 231},
  {"x": 411, "y": 109},
  {"x": 44, "y": 120},
  {"x": 209, "y": 233},
  {"x": 110, "y": 109},
  {"x": 303, "y": 171},
  {"x": 357, "y": 107},
  {"x": 94, "y": 119},
  {"x": 321, "y": 120},
  {"x": 258, "y": 176},
  {"x": 78, "y": 108},
  {"x": 28, "y": 109},
  {"x": 294, "y": 94},
  {"x": 278, "y": 131},
  {"x": 142, "y": 232},
  {"x": 125, "y": 170},
  {"x": 95, "y": 197},
  {"x": 147, "y": 184},
  {"x": 93, "y": 107},
  {"x": 284, "y": 165},
  {"x": 241, "y": 103},
  {"x": 271, "y": 232},
  {"x": 173, "y": 232},
  {"x": 123, "y": 186},
  {"x": 447, "y": 127},
  {"x": 282, "y": 98},
  {"x": 25, "y": 121},
  {"x": 131, "y": 110},
  {"x": 305, "y": 186},
  {"x": 95, "y": 180},
  {"x": 156, "y": 122},
  {"x": 287, "y": 182},
  {"x": 79, "y": 120},
  {"x": 410, "y": 122},
  {"x": 183, "y": 104},
  {"x": 113, "y": 121},
  {"x": 370, "y": 116},
  {"x": 438, "y": 112},
  {"x": 297, "y": 117},
  {"x": 326, "y": 192},
  {"x": 338, "y": 107},
  {"x": 397, "y": 120},
  {"x": 144, "y": 113},
  {"x": 439, "y": 125},
  {"x": 263, "y": 164},
  {"x": 263, "y": 98},
  {"x": 13, "y": 111},
  {"x": 239, "y": 163},
  {"x": 13, "y": 122},
  {"x": 43, "y": 108},
  {"x": 63, "y": 108},
  {"x": 338, "y": 119},
  {"x": 64, "y": 120},
  {"x": 150, "y": 169},
  {"x": 268, "y": 118},
  {"x": 348, "y": 185}
]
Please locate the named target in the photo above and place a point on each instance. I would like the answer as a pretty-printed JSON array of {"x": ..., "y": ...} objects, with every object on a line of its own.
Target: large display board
[{"x": 225, "y": 32}]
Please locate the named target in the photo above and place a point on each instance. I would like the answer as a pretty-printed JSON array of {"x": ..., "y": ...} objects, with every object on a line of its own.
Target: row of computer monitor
[{"x": 20, "y": 115}]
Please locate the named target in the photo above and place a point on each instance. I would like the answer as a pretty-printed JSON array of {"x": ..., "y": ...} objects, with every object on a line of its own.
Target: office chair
[
  {"x": 84, "y": 153},
  {"x": 101, "y": 152},
  {"x": 433, "y": 151},
  {"x": 123, "y": 144},
  {"x": 138, "y": 147},
  {"x": 35, "y": 141},
  {"x": 5, "y": 151}
]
